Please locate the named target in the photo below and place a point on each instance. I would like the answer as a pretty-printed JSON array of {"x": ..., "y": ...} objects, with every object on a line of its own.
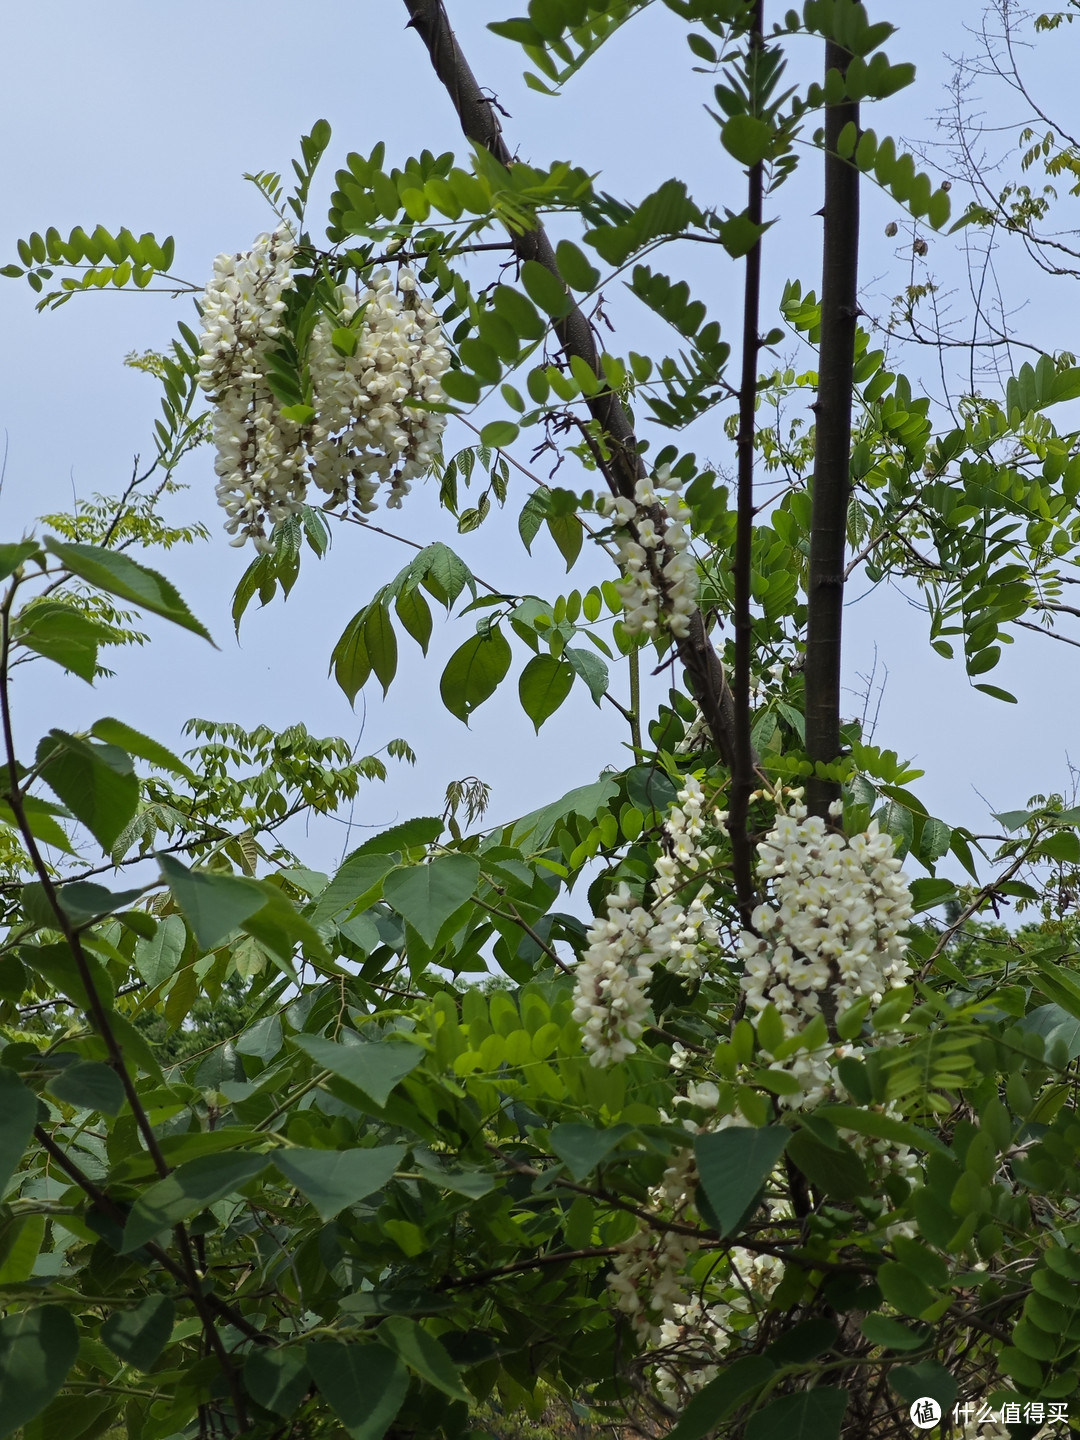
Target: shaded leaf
[
  {"x": 333, "y": 1179},
  {"x": 373, "y": 1066}
]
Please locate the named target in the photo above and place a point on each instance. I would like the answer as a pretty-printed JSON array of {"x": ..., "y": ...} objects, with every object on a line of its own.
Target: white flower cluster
[
  {"x": 365, "y": 430},
  {"x": 659, "y": 585},
  {"x": 835, "y": 921},
  {"x": 260, "y": 461},
  {"x": 366, "y": 427},
  {"x": 610, "y": 1003},
  {"x": 647, "y": 1276}
]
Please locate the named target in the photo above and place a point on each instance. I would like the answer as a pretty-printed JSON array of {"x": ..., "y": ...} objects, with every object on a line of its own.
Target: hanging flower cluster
[
  {"x": 610, "y": 1003},
  {"x": 659, "y": 585},
  {"x": 366, "y": 428},
  {"x": 260, "y": 461},
  {"x": 836, "y": 919},
  {"x": 648, "y": 1275}
]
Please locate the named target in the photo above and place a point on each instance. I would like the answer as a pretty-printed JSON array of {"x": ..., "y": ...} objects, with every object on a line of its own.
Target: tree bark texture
[{"x": 832, "y": 449}]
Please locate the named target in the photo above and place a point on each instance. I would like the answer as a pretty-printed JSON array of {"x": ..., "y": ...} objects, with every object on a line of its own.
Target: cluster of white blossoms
[
  {"x": 366, "y": 429},
  {"x": 659, "y": 584},
  {"x": 260, "y": 461},
  {"x": 648, "y": 1275},
  {"x": 835, "y": 920},
  {"x": 610, "y": 1003}
]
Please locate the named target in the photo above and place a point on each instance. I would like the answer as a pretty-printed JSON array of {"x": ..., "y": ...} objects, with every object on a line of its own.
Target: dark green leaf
[
  {"x": 582, "y": 1149},
  {"x": 84, "y": 900},
  {"x": 804, "y": 1342},
  {"x": 18, "y": 1115},
  {"x": 90, "y": 1086},
  {"x": 911, "y": 1382},
  {"x": 883, "y": 1330},
  {"x": 139, "y": 1335},
  {"x": 117, "y": 574},
  {"x": 364, "y": 1384},
  {"x": 193, "y": 1187},
  {"x": 373, "y": 1066},
  {"x": 424, "y": 1354},
  {"x": 38, "y": 1347},
  {"x": 568, "y": 534},
  {"x": 816, "y": 1414},
  {"x": 836, "y": 1171},
  {"x": 333, "y": 1179},
  {"x": 473, "y": 673},
  {"x": 544, "y": 685},
  {"x": 277, "y": 1379},
  {"x": 719, "y": 1397},
  {"x": 734, "y": 1164}
]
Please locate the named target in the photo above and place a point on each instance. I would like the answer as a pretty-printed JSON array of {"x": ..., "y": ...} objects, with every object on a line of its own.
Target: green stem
[{"x": 635, "y": 698}]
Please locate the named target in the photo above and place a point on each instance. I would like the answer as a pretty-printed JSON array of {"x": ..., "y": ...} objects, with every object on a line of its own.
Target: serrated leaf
[
  {"x": 119, "y": 575},
  {"x": 427, "y": 895}
]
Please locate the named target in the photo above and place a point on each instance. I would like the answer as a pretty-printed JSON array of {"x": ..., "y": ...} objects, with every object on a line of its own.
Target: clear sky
[{"x": 148, "y": 115}]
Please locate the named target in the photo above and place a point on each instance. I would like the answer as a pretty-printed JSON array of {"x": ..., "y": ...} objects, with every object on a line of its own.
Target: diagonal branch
[{"x": 623, "y": 466}]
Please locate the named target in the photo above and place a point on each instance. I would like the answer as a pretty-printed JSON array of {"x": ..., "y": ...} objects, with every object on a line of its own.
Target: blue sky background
[{"x": 148, "y": 115}]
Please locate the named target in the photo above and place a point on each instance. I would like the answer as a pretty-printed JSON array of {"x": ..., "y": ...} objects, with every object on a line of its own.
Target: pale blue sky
[{"x": 149, "y": 116}]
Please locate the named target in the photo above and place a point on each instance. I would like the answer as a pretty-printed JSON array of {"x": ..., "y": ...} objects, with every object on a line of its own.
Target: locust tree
[{"x": 764, "y": 1145}]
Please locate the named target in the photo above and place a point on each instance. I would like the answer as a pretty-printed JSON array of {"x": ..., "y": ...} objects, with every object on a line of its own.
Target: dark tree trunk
[{"x": 832, "y": 451}]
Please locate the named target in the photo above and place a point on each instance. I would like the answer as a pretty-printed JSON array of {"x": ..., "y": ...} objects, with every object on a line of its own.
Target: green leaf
[
  {"x": 333, "y": 1179},
  {"x": 575, "y": 268},
  {"x": 90, "y": 1086},
  {"x": 138, "y": 1336},
  {"x": 903, "y": 1289},
  {"x": 881, "y": 1330},
  {"x": 381, "y": 643},
  {"x": 582, "y": 1149},
  {"x": 38, "y": 816},
  {"x": 473, "y": 673},
  {"x": 215, "y": 905},
  {"x": 277, "y": 1379},
  {"x": 424, "y": 1354},
  {"x": 263, "y": 1039},
  {"x": 117, "y": 574},
  {"x": 38, "y": 1347},
  {"x": 96, "y": 782},
  {"x": 733, "y": 1165},
  {"x": 349, "y": 660},
  {"x": 804, "y": 1342},
  {"x": 545, "y": 289},
  {"x": 716, "y": 1400},
  {"x": 568, "y": 533},
  {"x": 816, "y": 1414},
  {"x": 836, "y": 1171},
  {"x": 427, "y": 895},
  {"x": 373, "y": 1066},
  {"x": 193, "y": 1187},
  {"x": 544, "y": 685},
  {"x": 365, "y": 1385},
  {"x": 746, "y": 138},
  {"x": 156, "y": 959},
  {"x": 18, "y": 1115},
  {"x": 1053, "y": 1022},
  {"x": 498, "y": 434},
  {"x": 359, "y": 875},
  {"x": 415, "y": 616},
  {"x": 115, "y": 732},
  {"x": 911, "y": 1382},
  {"x": 84, "y": 900},
  {"x": 927, "y": 893},
  {"x": 60, "y": 633},
  {"x": 12, "y": 556},
  {"x": 591, "y": 669}
]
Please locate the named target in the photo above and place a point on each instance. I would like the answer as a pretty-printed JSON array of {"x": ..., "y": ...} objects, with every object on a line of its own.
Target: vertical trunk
[
  {"x": 742, "y": 770},
  {"x": 832, "y": 451}
]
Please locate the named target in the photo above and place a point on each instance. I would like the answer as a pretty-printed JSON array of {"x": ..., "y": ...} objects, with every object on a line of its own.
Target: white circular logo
[{"x": 925, "y": 1413}]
